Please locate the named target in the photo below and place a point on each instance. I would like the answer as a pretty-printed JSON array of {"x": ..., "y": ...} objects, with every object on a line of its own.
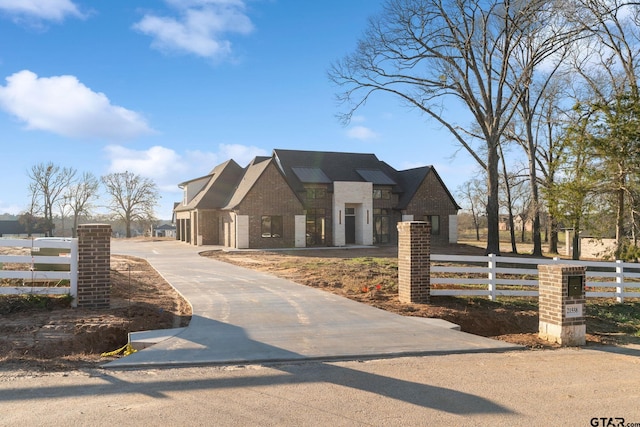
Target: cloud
[
  {"x": 49, "y": 10},
  {"x": 168, "y": 168},
  {"x": 362, "y": 133},
  {"x": 64, "y": 106},
  {"x": 202, "y": 27}
]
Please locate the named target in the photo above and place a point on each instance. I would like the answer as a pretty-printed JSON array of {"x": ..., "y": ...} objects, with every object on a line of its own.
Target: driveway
[{"x": 243, "y": 316}]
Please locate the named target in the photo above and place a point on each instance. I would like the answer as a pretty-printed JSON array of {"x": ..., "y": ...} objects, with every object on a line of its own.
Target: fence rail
[
  {"x": 494, "y": 276},
  {"x": 36, "y": 268}
]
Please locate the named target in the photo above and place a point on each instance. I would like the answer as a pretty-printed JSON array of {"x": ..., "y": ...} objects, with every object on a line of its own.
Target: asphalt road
[{"x": 565, "y": 387}]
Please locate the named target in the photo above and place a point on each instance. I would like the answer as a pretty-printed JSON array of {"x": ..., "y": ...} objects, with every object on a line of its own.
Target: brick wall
[
  {"x": 414, "y": 258},
  {"x": 94, "y": 262},
  {"x": 271, "y": 195},
  {"x": 432, "y": 199},
  {"x": 208, "y": 227}
]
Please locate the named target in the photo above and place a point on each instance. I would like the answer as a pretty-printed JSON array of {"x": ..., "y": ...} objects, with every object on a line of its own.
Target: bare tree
[
  {"x": 429, "y": 51},
  {"x": 472, "y": 195},
  {"x": 133, "y": 197},
  {"x": 48, "y": 183},
  {"x": 80, "y": 196}
]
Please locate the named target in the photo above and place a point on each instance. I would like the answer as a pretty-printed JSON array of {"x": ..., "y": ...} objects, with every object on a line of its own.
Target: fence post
[
  {"x": 73, "y": 271},
  {"x": 414, "y": 262},
  {"x": 94, "y": 262},
  {"x": 619, "y": 280},
  {"x": 492, "y": 276}
]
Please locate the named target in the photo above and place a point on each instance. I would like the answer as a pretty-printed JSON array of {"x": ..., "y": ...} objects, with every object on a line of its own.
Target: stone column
[
  {"x": 561, "y": 304},
  {"x": 414, "y": 258},
  {"x": 94, "y": 266}
]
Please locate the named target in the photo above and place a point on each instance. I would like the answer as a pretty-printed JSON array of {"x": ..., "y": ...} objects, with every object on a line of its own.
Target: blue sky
[{"x": 170, "y": 88}]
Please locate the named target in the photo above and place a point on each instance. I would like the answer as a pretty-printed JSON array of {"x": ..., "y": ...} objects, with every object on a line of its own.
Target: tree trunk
[
  {"x": 493, "y": 232},
  {"x": 553, "y": 240}
]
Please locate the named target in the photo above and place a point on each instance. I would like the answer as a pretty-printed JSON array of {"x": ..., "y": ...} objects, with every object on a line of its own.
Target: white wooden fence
[
  {"x": 494, "y": 276},
  {"x": 31, "y": 267}
]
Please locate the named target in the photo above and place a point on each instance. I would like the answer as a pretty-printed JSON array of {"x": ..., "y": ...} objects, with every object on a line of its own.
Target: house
[
  {"x": 312, "y": 198},
  {"x": 164, "y": 230},
  {"x": 15, "y": 228}
]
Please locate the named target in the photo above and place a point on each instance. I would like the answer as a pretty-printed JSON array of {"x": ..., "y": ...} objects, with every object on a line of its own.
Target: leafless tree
[
  {"x": 427, "y": 52},
  {"x": 472, "y": 195},
  {"x": 80, "y": 197},
  {"x": 48, "y": 183},
  {"x": 133, "y": 197}
]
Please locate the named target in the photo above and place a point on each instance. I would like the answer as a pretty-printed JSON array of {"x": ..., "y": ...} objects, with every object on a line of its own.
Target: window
[
  {"x": 381, "y": 194},
  {"x": 316, "y": 193},
  {"x": 271, "y": 226},
  {"x": 381, "y": 221},
  {"x": 435, "y": 223},
  {"x": 315, "y": 227}
]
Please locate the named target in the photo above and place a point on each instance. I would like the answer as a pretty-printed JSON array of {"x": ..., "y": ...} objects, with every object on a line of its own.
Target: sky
[{"x": 168, "y": 89}]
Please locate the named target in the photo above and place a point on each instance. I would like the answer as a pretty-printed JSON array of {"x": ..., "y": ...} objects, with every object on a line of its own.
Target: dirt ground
[{"x": 53, "y": 336}]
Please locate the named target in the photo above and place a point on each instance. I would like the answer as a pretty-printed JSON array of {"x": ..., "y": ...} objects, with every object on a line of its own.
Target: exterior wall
[
  {"x": 301, "y": 228},
  {"x": 228, "y": 232},
  {"x": 192, "y": 189},
  {"x": 242, "y": 232},
  {"x": 358, "y": 195},
  {"x": 208, "y": 227},
  {"x": 271, "y": 195},
  {"x": 596, "y": 248},
  {"x": 432, "y": 199}
]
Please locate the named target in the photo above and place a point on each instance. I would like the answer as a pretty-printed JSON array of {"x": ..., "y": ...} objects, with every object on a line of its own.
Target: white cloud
[
  {"x": 168, "y": 168},
  {"x": 362, "y": 133},
  {"x": 50, "y": 10},
  {"x": 63, "y": 105},
  {"x": 202, "y": 27},
  {"x": 242, "y": 154}
]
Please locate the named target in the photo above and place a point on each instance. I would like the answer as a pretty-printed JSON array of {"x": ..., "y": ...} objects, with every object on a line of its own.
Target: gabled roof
[
  {"x": 412, "y": 179},
  {"x": 251, "y": 174},
  {"x": 222, "y": 181},
  {"x": 229, "y": 184}
]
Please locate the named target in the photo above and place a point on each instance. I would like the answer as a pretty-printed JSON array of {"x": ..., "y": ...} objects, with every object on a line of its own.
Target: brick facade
[
  {"x": 94, "y": 266},
  {"x": 414, "y": 259},
  {"x": 432, "y": 199},
  {"x": 271, "y": 195}
]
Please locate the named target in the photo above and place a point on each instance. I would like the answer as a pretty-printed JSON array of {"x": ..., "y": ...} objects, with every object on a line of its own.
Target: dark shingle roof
[
  {"x": 216, "y": 193},
  {"x": 334, "y": 165}
]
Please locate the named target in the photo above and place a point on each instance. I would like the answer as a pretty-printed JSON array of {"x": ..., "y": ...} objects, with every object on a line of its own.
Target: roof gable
[
  {"x": 412, "y": 179},
  {"x": 219, "y": 189},
  {"x": 251, "y": 175}
]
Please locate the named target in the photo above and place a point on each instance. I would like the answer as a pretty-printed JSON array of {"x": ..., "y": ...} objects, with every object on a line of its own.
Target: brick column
[
  {"x": 561, "y": 304},
  {"x": 414, "y": 258},
  {"x": 94, "y": 265}
]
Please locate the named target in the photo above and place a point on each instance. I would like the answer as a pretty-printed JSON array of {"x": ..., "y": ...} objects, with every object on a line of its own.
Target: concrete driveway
[{"x": 243, "y": 316}]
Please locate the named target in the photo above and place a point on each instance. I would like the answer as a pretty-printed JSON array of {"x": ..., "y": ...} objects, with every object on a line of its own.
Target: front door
[{"x": 350, "y": 229}]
